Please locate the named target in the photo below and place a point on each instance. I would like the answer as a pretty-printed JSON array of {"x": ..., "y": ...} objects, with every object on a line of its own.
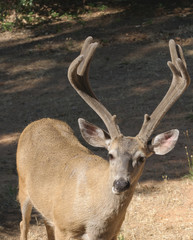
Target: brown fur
[{"x": 67, "y": 184}]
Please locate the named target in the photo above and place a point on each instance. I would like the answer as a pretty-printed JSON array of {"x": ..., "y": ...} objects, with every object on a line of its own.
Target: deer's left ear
[
  {"x": 93, "y": 135},
  {"x": 164, "y": 142}
]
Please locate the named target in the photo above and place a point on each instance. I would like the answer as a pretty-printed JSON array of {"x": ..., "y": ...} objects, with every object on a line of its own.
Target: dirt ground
[{"x": 130, "y": 76}]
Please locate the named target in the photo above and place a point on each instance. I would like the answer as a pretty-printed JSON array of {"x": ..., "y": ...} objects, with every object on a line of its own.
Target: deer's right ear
[
  {"x": 94, "y": 135},
  {"x": 164, "y": 142}
]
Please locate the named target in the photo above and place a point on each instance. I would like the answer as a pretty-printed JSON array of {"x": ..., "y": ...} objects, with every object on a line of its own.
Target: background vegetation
[{"x": 19, "y": 13}]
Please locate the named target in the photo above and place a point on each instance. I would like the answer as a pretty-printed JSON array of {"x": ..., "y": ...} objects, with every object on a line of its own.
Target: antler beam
[
  {"x": 180, "y": 82},
  {"x": 78, "y": 75}
]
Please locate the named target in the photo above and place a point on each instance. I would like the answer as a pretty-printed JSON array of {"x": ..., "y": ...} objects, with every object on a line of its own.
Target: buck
[{"x": 81, "y": 195}]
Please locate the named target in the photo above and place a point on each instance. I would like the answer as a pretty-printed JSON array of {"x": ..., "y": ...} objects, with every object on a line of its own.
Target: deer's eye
[
  {"x": 141, "y": 159},
  {"x": 111, "y": 157}
]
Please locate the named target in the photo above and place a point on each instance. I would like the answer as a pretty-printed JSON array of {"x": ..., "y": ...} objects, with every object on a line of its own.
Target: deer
[{"x": 81, "y": 195}]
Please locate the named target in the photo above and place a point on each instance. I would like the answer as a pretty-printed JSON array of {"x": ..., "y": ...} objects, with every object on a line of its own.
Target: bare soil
[{"x": 130, "y": 76}]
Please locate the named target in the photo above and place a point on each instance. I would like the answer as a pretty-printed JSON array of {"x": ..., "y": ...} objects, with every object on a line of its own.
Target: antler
[
  {"x": 78, "y": 75},
  {"x": 180, "y": 82}
]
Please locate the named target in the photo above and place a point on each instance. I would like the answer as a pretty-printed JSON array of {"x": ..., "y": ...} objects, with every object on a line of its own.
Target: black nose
[{"x": 121, "y": 185}]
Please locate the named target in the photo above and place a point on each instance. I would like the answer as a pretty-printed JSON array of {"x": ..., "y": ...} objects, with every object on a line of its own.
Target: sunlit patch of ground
[{"x": 161, "y": 211}]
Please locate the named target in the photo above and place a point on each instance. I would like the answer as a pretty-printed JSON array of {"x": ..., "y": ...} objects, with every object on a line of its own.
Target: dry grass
[{"x": 161, "y": 211}]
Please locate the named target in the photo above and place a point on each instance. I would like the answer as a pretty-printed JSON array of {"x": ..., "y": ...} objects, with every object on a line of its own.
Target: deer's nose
[{"x": 120, "y": 185}]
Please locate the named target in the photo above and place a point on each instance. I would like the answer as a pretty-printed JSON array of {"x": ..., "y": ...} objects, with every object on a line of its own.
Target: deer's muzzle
[{"x": 120, "y": 185}]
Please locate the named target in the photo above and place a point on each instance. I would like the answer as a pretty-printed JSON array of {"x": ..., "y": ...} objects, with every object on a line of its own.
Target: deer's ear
[
  {"x": 164, "y": 142},
  {"x": 94, "y": 135}
]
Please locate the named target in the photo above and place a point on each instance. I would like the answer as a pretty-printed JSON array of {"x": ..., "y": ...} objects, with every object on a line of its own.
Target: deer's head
[{"x": 127, "y": 155}]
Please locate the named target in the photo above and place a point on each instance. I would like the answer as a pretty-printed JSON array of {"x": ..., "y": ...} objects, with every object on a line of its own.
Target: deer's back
[{"x": 49, "y": 144}]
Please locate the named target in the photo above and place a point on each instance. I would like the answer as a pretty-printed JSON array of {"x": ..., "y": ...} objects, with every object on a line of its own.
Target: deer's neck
[
  {"x": 115, "y": 204},
  {"x": 110, "y": 208}
]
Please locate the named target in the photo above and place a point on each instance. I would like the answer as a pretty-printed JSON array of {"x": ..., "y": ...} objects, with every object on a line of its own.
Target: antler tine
[
  {"x": 180, "y": 82},
  {"x": 78, "y": 75}
]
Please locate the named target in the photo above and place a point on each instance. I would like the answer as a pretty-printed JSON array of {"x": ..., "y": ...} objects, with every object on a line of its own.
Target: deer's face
[
  {"x": 126, "y": 158},
  {"x": 127, "y": 155}
]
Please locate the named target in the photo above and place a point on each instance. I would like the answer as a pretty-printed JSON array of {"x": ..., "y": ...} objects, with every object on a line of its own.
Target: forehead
[{"x": 127, "y": 144}]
